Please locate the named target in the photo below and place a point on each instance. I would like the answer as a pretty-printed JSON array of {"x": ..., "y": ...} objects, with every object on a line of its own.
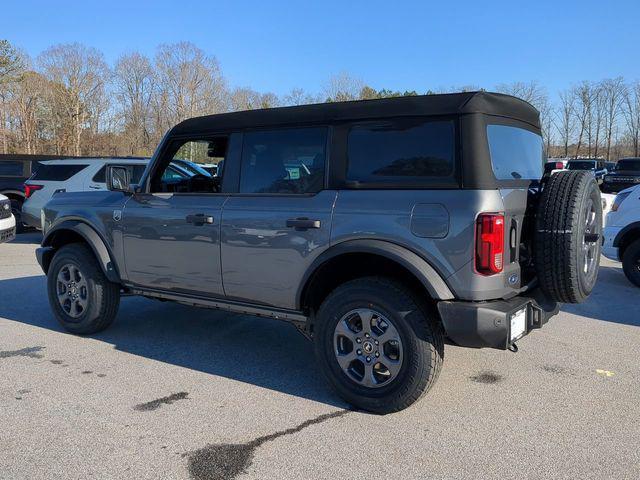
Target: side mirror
[{"x": 119, "y": 179}]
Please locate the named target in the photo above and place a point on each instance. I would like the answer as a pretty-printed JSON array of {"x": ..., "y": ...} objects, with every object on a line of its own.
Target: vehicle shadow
[
  {"x": 263, "y": 352},
  {"x": 29, "y": 237},
  {"x": 614, "y": 299}
]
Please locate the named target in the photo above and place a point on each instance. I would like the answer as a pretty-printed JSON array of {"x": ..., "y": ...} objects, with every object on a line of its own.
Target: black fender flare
[
  {"x": 418, "y": 266},
  {"x": 91, "y": 237},
  {"x": 634, "y": 226}
]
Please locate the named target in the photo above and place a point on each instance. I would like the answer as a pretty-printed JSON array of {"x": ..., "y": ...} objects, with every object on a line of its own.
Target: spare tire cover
[{"x": 568, "y": 236}]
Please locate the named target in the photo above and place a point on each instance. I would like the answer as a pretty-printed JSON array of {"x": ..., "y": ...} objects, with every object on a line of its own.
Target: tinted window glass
[
  {"x": 283, "y": 161},
  {"x": 135, "y": 171},
  {"x": 401, "y": 152},
  {"x": 11, "y": 169},
  {"x": 515, "y": 152},
  {"x": 628, "y": 165},
  {"x": 573, "y": 165},
  {"x": 57, "y": 173}
]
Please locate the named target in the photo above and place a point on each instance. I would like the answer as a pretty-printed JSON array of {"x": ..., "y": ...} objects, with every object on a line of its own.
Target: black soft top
[{"x": 420, "y": 105}]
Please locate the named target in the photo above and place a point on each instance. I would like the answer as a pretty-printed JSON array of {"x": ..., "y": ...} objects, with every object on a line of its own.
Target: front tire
[
  {"x": 378, "y": 345},
  {"x": 631, "y": 263},
  {"x": 81, "y": 297}
]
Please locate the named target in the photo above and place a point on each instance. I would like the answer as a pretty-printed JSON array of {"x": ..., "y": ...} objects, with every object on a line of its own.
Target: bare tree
[
  {"x": 566, "y": 120},
  {"x": 12, "y": 64},
  {"x": 298, "y": 96},
  {"x": 613, "y": 93},
  {"x": 583, "y": 94},
  {"x": 134, "y": 83},
  {"x": 28, "y": 109},
  {"x": 631, "y": 112},
  {"x": 189, "y": 82},
  {"x": 77, "y": 74},
  {"x": 342, "y": 87}
]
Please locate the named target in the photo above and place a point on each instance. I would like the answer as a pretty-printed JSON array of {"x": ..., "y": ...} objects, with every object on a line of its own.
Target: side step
[{"x": 297, "y": 318}]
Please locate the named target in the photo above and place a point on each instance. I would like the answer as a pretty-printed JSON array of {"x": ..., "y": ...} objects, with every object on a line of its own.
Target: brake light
[
  {"x": 30, "y": 188},
  {"x": 559, "y": 166},
  {"x": 489, "y": 243}
]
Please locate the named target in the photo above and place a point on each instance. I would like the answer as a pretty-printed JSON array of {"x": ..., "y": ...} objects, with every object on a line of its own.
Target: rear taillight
[
  {"x": 559, "y": 165},
  {"x": 489, "y": 243},
  {"x": 30, "y": 188}
]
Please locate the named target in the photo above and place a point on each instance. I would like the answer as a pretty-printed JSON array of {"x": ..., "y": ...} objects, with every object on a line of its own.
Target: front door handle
[
  {"x": 199, "y": 219},
  {"x": 95, "y": 187},
  {"x": 302, "y": 223}
]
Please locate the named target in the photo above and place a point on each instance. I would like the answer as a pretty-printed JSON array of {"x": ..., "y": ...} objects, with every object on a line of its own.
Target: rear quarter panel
[{"x": 393, "y": 216}]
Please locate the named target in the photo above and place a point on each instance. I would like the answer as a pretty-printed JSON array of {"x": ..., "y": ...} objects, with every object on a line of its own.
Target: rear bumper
[
  {"x": 30, "y": 220},
  {"x": 488, "y": 324}
]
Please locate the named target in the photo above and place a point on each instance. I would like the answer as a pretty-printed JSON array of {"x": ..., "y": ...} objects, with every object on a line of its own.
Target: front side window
[
  {"x": 283, "y": 161},
  {"x": 135, "y": 171},
  {"x": 183, "y": 169},
  {"x": 516, "y": 153},
  {"x": 402, "y": 152}
]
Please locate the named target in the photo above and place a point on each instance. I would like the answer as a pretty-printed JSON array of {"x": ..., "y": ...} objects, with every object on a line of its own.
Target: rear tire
[
  {"x": 568, "y": 236},
  {"x": 16, "y": 209},
  {"x": 406, "y": 355},
  {"x": 631, "y": 263},
  {"x": 81, "y": 297}
]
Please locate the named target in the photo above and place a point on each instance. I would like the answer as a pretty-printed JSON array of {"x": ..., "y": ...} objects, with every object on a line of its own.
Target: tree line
[{"x": 70, "y": 101}]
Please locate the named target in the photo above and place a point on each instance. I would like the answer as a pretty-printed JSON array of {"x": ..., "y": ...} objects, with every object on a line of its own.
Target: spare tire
[{"x": 568, "y": 236}]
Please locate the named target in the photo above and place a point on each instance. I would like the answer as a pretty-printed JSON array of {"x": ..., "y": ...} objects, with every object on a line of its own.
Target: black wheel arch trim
[
  {"x": 418, "y": 266},
  {"x": 91, "y": 237},
  {"x": 635, "y": 226}
]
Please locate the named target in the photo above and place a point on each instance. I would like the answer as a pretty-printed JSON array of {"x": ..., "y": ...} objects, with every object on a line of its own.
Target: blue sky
[{"x": 415, "y": 45}]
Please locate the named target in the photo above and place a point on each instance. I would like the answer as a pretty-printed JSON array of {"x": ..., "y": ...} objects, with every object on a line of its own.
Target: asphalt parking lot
[{"x": 176, "y": 392}]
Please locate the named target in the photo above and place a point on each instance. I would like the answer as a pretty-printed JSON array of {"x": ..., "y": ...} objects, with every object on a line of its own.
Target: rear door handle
[
  {"x": 95, "y": 187},
  {"x": 199, "y": 219},
  {"x": 302, "y": 223}
]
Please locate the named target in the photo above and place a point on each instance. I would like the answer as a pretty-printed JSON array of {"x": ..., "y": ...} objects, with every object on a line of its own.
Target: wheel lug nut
[
  {"x": 368, "y": 359},
  {"x": 366, "y": 335},
  {"x": 376, "y": 342},
  {"x": 359, "y": 352},
  {"x": 377, "y": 354},
  {"x": 358, "y": 340}
]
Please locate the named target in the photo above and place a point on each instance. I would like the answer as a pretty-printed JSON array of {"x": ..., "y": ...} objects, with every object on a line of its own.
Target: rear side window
[
  {"x": 516, "y": 153},
  {"x": 11, "y": 169},
  {"x": 283, "y": 161},
  {"x": 56, "y": 173},
  {"x": 402, "y": 152},
  {"x": 135, "y": 171}
]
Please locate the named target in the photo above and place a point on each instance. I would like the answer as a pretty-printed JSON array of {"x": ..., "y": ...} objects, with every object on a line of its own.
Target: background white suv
[
  {"x": 7, "y": 221},
  {"x": 622, "y": 233},
  {"x": 70, "y": 175}
]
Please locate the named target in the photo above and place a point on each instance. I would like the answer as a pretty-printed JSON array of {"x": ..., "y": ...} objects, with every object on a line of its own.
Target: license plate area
[{"x": 518, "y": 324}]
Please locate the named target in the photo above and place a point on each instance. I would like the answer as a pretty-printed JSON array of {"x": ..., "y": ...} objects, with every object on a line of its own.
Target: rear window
[
  {"x": 516, "y": 153},
  {"x": 581, "y": 166},
  {"x": 11, "y": 169},
  {"x": 628, "y": 165},
  {"x": 135, "y": 171},
  {"x": 402, "y": 152},
  {"x": 56, "y": 173}
]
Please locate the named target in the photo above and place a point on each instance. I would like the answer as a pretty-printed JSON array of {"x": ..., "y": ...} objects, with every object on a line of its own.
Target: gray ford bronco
[{"x": 378, "y": 228}]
